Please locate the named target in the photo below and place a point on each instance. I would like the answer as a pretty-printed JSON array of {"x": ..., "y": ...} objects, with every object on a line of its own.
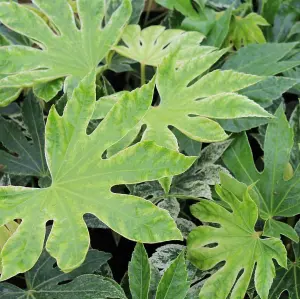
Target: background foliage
[{"x": 131, "y": 122}]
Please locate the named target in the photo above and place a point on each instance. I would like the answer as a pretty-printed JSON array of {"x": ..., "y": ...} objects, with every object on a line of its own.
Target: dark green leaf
[
  {"x": 46, "y": 281},
  {"x": 262, "y": 59},
  {"x": 277, "y": 196},
  {"x": 139, "y": 273},
  {"x": 24, "y": 157}
]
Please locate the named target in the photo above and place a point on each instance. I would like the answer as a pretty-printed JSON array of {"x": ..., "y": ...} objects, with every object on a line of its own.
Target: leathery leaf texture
[
  {"x": 82, "y": 182},
  {"x": 68, "y": 52},
  {"x": 234, "y": 242},
  {"x": 191, "y": 104},
  {"x": 276, "y": 195}
]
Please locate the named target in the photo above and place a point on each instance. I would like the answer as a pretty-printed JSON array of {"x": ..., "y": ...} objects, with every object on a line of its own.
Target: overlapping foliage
[{"x": 129, "y": 152}]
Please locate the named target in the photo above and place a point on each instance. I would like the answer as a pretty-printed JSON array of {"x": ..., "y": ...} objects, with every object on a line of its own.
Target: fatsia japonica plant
[
  {"x": 82, "y": 181},
  {"x": 166, "y": 134},
  {"x": 61, "y": 51}
]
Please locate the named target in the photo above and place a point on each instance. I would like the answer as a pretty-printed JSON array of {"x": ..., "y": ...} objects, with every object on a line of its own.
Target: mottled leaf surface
[
  {"x": 234, "y": 242},
  {"x": 68, "y": 52},
  {"x": 82, "y": 182},
  {"x": 191, "y": 107},
  {"x": 148, "y": 46}
]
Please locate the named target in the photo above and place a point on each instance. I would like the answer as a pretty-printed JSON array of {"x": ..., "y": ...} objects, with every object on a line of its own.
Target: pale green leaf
[
  {"x": 47, "y": 91},
  {"x": 174, "y": 283},
  {"x": 71, "y": 53},
  {"x": 190, "y": 108},
  {"x": 277, "y": 197},
  {"x": 8, "y": 95},
  {"x": 150, "y": 45},
  {"x": 139, "y": 273},
  {"x": 236, "y": 243},
  {"x": 82, "y": 182},
  {"x": 244, "y": 31}
]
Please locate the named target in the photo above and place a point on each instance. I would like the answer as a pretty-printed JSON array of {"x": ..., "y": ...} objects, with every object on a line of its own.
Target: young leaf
[
  {"x": 236, "y": 243},
  {"x": 288, "y": 279},
  {"x": 82, "y": 182},
  {"x": 139, "y": 273},
  {"x": 46, "y": 281},
  {"x": 191, "y": 108},
  {"x": 68, "y": 52},
  {"x": 244, "y": 31},
  {"x": 174, "y": 283},
  {"x": 277, "y": 197},
  {"x": 150, "y": 45},
  {"x": 23, "y": 157}
]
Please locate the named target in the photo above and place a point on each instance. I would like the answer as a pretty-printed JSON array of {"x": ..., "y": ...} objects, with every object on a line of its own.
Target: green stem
[{"x": 143, "y": 74}]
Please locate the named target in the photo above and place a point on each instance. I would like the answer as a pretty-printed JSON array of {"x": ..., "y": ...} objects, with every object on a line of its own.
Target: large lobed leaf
[
  {"x": 234, "y": 242},
  {"x": 190, "y": 106},
  {"x": 288, "y": 279},
  {"x": 46, "y": 281},
  {"x": 277, "y": 196},
  {"x": 68, "y": 52},
  {"x": 148, "y": 46},
  {"x": 82, "y": 182}
]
